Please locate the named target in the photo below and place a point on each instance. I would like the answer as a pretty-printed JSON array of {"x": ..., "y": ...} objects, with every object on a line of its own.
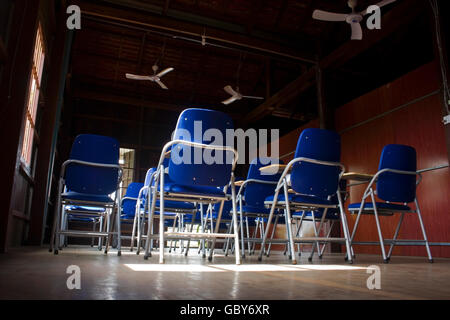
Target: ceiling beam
[
  {"x": 204, "y": 21},
  {"x": 400, "y": 15},
  {"x": 129, "y": 101},
  {"x": 148, "y": 20},
  {"x": 283, "y": 96},
  {"x": 120, "y": 99},
  {"x": 120, "y": 120}
]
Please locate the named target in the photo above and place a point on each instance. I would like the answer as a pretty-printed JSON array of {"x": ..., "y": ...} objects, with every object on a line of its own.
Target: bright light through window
[
  {"x": 33, "y": 97},
  {"x": 126, "y": 161}
]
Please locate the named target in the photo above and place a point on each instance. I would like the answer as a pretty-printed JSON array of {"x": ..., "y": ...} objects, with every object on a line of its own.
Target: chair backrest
[
  {"x": 396, "y": 187},
  {"x": 128, "y": 205},
  {"x": 317, "y": 179},
  {"x": 191, "y": 126},
  {"x": 93, "y": 180},
  {"x": 256, "y": 193}
]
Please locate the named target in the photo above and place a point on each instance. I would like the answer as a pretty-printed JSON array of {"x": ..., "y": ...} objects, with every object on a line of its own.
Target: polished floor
[{"x": 34, "y": 273}]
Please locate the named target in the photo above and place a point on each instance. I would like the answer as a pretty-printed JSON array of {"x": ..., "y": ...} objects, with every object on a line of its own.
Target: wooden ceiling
[{"x": 273, "y": 45}]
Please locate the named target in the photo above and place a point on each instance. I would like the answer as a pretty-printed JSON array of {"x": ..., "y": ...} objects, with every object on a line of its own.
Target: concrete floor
[{"x": 34, "y": 273}]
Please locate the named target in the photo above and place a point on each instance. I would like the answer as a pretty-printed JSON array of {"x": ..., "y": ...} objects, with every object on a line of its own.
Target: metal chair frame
[
  {"x": 162, "y": 195},
  {"x": 111, "y": 209},
  {"x": 286, "y": 205},
  {"x": 370, "y": 192}
]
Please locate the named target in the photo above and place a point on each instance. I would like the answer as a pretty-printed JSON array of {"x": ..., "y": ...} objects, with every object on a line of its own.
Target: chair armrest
[
  {"x": 253, "y": 181},
  {"x": 309, "y": 160},
  {"x": 198, "y": 145},
  {"x": 375, "y": 177}
]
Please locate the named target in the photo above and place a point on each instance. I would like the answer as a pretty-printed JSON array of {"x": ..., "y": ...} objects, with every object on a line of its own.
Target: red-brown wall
[{"x": 419, "y": 124}]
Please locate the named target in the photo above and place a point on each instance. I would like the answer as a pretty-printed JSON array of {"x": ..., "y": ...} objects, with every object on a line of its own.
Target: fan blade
[
  {"x": 253, "y": 97},
  {"x": 162, "y": 85},
  {"x": 164, "y": 72},
  {"x": 328, "y": 16},
  {"x": 380, "y": 4},
  {"x": 230, "y": 91},
  {"x": 136, "y": 77},
  {"x": 384, "y": 3},
  {"x": 231, "y": 100},
  {"x": 356, "y": 31}
]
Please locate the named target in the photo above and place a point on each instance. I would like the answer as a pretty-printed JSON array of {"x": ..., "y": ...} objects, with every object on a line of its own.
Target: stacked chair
[
  {"x": 128, "y": 205},
  {"x": 194, "y": 180},
  {"x": 314, "y": 179},
  {"x": 395, "y": 185},
  {"x": 173, "y": 211},
  {"x": 251, "y": 197},
  {"x": 88, "y": 179},
  {"x": 83, "y": 215},
  {"x": 331, "y": 216}
]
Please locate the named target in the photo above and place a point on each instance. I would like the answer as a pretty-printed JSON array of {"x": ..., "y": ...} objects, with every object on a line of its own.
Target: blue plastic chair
[
  {"x": 173, "y": 209},
  {"x": 195, "y": 179},
  {"x": 91, "y": 175},
  {"x": 323, "y": 216},
  {"x": 83, "y": 214},
  {"x": 128, "y": 205},
  {"x": 315, "y": 176},
  {"x": 396, "y": 182},
  {"x": 251, "y": 196}
]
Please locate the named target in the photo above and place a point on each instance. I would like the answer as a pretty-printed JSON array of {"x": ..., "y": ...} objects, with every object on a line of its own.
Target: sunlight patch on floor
[
  {"x": 328, "y": 267},
  {"x": 172, "y": 268},
  {"x": 238, "y": 268},
  {"x": 254, "y": 267}
]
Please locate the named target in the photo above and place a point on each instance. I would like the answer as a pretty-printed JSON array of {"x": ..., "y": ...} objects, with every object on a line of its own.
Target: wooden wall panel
[{"x": 418, "y": 124}]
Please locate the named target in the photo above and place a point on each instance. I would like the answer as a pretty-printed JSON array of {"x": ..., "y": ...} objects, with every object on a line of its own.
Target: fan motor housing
[{"x": 354, "y": 18}]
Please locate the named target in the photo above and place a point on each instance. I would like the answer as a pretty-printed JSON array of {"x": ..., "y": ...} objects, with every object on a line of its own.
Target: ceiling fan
[
  {"x": 236, "y": 95},
  {"x": 154, "y": 78},
  {"x": 353, "y": 19}
]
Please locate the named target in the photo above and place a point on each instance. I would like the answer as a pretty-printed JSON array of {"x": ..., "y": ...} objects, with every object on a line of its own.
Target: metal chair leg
[
  {"x": 397, "y": 230},
  {"x": 380, "y": 235},
  {"x": 422, "y": 226},
  {"x": 271, "y": 237},
  {"x": 288, "y": 223}
]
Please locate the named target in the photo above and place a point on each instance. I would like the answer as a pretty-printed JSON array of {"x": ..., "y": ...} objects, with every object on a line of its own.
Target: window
[
  {"x": 33, "y": 97},
  {"x": 126, "y": 161}
]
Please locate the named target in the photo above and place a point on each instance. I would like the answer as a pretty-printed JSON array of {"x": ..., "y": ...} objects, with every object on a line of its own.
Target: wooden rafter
[{"x": 402, "y": 14}]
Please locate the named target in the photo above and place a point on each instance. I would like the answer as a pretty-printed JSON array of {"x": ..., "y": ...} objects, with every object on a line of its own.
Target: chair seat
[
  {"x": 71, "y": 195},
  {"x": 79, "y": 218},
  {"x": 168, "y": 204},
  {"x": 194, "y": 190},
  {"x": 255, "y": 210},
  {"x": 85, "y": 208},
  {"x": 380, "y": 205},
  {"x": 331, "y": 214},
  {"x": 300, "y": 199}
]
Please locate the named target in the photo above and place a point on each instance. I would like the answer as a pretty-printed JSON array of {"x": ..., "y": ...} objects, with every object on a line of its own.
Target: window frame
[{"x": 30, "y": 134}]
